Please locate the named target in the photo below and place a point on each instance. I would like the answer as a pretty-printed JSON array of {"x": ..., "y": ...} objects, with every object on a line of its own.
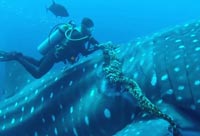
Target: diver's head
[{"x": 87, "y": 26}]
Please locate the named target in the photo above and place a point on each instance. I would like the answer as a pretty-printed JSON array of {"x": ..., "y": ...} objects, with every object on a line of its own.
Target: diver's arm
[
  {"x": 90, "y": 49},
  {"x": 95, "y": 44},
  {"x": 86, "y": 52},
  {"x": 93, "y": 41}
]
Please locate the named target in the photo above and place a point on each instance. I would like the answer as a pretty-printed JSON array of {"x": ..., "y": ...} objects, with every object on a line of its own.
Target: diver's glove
[{"x": 104, "y": 45}]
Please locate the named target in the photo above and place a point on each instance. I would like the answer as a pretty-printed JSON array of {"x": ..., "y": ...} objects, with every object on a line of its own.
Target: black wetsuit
[{"x": 37, "y": 68}]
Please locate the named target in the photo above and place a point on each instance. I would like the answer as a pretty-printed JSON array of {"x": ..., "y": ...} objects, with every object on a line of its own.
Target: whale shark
[{"x": 79, "y": 101}]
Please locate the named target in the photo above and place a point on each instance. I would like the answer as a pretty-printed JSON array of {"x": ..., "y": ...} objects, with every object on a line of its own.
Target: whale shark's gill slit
[
  {"x": 169, "y": 77},
  {"x": 143, "y": 73},
  {"x": 187, "y": 75}
]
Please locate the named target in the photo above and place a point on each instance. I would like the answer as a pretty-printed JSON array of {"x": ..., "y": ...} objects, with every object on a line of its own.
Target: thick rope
[{"x": 113, "y": 72}]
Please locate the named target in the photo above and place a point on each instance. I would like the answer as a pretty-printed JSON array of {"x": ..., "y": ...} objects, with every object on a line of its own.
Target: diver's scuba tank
[
  {"x": 58, "y": 34},
  {"x": 54, "y": 37}
]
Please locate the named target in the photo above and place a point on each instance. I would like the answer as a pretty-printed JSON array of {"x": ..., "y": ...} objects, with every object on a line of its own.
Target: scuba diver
[{"x": 63, "y": 44}]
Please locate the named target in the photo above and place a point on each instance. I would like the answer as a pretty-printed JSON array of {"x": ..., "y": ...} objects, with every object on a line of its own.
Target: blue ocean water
[{"x": 25, "y": 24}]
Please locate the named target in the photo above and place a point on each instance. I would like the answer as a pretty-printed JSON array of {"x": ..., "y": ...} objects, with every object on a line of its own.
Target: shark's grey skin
[
  {"x": 71, "y": 103},
  {"x": 169, "y": 63},
  {"x": 78, "y": 101},
  {"x": 12, "y": 83}
]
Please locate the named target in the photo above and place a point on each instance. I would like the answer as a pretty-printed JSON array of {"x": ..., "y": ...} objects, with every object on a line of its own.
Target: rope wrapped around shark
[{"x": 112, "y": 69}]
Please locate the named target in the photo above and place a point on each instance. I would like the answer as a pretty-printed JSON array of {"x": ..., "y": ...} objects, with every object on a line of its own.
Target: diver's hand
[{"x": 103, "y": 45}]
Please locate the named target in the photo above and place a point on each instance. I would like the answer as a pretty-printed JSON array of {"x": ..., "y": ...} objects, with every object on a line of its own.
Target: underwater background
[{"x": 25, "y": 24}]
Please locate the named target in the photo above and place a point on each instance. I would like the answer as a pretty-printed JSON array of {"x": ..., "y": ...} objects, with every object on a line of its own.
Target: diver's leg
[
  {"x": 33, "y": 60},
  {"x": 46, "y": 64}
]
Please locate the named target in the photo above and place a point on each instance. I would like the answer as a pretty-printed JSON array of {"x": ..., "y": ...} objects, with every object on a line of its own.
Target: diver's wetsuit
[{"x": 37, "y": 68}]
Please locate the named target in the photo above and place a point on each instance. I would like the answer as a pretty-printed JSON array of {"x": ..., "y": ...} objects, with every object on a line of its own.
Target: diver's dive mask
[
  {"x": 90, "y": 29},
  {"x": 87, "y": 30}
]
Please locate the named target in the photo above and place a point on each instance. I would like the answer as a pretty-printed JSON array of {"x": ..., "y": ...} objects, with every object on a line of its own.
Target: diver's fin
[{"x": 6, "y": 56}]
